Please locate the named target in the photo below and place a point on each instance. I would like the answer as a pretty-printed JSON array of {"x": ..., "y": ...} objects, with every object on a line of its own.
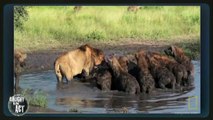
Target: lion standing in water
[{"x": 74, "y": 62}]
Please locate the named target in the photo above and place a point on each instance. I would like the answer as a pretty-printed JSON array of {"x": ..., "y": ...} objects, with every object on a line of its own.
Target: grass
[
  {"x": 35, "y": 98},
  {"x": 57, "y": 26},
  {"x": 191, "y": 49}
]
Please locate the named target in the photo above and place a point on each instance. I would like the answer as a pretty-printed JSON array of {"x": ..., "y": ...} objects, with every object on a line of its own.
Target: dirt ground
[
  {"x": 44, "y": 60},
  {"x": 35, "y": 109}
]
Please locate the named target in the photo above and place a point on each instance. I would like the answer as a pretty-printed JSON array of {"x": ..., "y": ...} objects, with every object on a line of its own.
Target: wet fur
[
  {"x": 146, "y": 80},
  {"x": 103, "y": 76},
  {"x": 74, "y": 62},
  {"x": 178, "y": 54},
  {"x": 164, "y": 77},
  {"x": 122, "y": 79},
  {"x": 123, "y": 61},
  {"x": 176, "y": 68}
]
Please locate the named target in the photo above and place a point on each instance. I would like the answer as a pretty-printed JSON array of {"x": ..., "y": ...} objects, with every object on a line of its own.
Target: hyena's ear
[
  {"x": 128, "y": 61},
  {"x": 173, "y": 50},
  {"x": 24, "y": 56},
  {"x": 148, "y": 56},
  {"x": 107, "y": 59},
  {"x": 136, "y": 55},
  {"x": 172, "y": 47},
  {"x": 18, "y": 56},
  {"x": 112, "y": 55}
]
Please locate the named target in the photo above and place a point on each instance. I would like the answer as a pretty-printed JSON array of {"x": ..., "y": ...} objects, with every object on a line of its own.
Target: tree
[{"x": 20, "y": 15}]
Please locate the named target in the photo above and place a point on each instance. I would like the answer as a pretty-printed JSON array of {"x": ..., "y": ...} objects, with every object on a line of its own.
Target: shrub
[
  {"x": 95, "y": 35},
  {"x": 35, "y": 98},
  {"x": 20, "y": 15}
]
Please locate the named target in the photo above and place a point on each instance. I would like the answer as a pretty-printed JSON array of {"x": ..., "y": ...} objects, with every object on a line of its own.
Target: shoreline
[{"x": 43, "y": 60}]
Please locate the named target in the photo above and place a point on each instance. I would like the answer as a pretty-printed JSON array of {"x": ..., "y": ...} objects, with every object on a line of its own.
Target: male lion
[
  {"x": 181, "y": 58},
  {"x": 19, "y": 63},
  {"x": 74, "y": 62}
]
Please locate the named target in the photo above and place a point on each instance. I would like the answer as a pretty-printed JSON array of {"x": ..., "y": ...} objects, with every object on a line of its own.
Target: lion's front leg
[{"x": 86, "y": 72}]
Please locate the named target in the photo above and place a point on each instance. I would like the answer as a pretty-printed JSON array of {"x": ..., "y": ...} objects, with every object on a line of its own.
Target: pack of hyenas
[{"x": 139, "y": 73}]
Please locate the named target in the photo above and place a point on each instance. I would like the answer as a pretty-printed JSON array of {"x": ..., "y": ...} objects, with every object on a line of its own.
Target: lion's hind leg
[
  {"x": 58, "y": 73},
  {"x": 59, "y": 77},
  {"x": 68, "y": 74}
]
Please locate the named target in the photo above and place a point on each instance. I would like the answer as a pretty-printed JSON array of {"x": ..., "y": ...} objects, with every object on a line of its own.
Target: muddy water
[{"x": 86, "y": 98}]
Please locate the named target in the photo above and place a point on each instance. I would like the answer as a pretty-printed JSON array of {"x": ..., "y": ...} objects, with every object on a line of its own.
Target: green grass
[
  {"x": 51, "y": 27},
  {"x": 191, "y": 49},
  {"x": 35, "y": 98}
]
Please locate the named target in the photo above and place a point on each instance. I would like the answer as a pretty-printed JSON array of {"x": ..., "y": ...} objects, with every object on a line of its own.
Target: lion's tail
[
  {"x": 57, "y": 70},
  {"x": 57, "y": 67}
]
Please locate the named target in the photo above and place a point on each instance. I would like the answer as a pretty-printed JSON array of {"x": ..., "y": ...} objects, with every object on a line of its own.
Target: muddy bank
[
  {"x": 44, "y": 60},
  {"x": 36, "y": 109}
]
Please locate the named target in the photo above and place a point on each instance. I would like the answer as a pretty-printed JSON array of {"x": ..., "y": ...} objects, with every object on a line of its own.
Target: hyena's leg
[
  {"x": 161, "y": 85},
  {"x": 144, "y": 89},
  {"x": 84, "y": 73},
  {"x": 150, "y": 89},
  {"x": 179, "y": 77},
  {"x": 173, "y": 82},
  {"x": 190, "y": 80}
]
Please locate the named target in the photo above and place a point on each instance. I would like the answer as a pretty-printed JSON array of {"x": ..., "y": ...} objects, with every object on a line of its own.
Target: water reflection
[{"x": 86, "y": 98}]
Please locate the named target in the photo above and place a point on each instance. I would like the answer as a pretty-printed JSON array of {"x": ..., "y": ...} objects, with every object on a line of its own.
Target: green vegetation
[
  {"x": 57, "y": 26},
  {"x": 192, "y": 49},
  {"x": 35, "y": 98},
  {"x": 20, "y": 15}
]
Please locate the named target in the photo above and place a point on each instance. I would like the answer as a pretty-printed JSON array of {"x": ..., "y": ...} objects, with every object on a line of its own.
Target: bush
[
  {"x": 20, "y": 15},
  {"x": 96, "y": 35},
  {"x": 35, "y": 98}
]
